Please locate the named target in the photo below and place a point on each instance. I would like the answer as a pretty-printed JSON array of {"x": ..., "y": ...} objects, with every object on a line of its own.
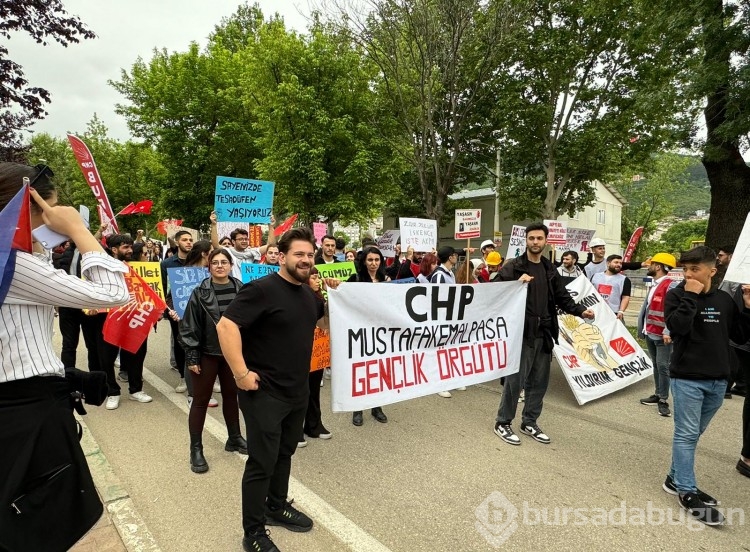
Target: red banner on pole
[
  {"x": 632, "y": 244},
  {"x": 128, "y": 326},
  {"x": 91, "y": 174}
]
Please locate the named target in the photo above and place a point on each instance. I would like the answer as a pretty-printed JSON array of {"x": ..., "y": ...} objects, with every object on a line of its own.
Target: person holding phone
[{"x": 49, "y": 496}]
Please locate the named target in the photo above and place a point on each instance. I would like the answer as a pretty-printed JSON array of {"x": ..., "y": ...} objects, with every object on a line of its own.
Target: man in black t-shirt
[
  {"x": 266, "y": 335},
  {"x": 546, "y": 293}
]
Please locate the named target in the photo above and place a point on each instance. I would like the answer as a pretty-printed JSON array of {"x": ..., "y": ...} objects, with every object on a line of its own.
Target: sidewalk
[{"x": 120, "y": 528}]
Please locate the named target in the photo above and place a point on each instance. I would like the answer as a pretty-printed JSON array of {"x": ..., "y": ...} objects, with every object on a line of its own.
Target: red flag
[
  {"x": 91, "y": 174},
  {"x": 286, "y": 225},
  {"x": 161, "y": 226},
  {"x": 142, "y": 207},
  {"x": 127, "y": 210},
  {"x": 632, "y": 244},
  {"x": 22, "y": 237},
  {"x": 128, "y": 326}
]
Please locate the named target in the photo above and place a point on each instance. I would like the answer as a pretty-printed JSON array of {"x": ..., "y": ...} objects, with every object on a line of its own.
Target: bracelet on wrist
[{"x": 242, "y": 376}]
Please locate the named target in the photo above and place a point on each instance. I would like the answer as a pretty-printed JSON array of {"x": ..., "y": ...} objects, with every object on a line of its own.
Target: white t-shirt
[
  {"x": 594, "y": 268},
  {"x": 249, "y": 255}
]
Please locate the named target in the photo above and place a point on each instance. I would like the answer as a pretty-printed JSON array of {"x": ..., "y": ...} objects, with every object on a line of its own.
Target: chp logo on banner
[
  {"x": 468, "y": 224},
  {"x": 127, "y": 326},
  {"x": 597, "y": 357},
  {"x": 391, "y": 343}
]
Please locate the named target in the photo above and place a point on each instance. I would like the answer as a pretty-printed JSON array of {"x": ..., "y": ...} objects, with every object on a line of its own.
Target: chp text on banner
[{"x": 394, "y": 343}]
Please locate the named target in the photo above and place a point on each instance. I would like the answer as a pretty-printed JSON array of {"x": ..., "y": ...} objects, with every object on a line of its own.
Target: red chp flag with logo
[
  {"x": 127, "y": 326},
  {"x": 91, "y": 174}
]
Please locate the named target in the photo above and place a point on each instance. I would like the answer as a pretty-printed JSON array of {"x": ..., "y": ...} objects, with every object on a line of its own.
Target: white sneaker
[
  {"x": 302, "y": 444},
  {"x": 322, "y": 382},
  {"x": 327, "y": 373},
  {"x": 522, "y": 396},
  {"x": 181, "y": 387},
  {"x": 140, "y": 396},
  {"x": 113, "y": 402},
  {"x": 213, "y": 402},
  {"x": 217, "y": 387},
  {"x": 117, "y": 361},
  {"x": 462, "y": 388},
  {"x": 445, "y": 394}
]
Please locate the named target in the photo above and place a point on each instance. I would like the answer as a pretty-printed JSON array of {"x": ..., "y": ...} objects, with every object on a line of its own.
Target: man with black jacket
[
  {"x": 701, "y": 321},
  {"x": 546, "y": 293}
]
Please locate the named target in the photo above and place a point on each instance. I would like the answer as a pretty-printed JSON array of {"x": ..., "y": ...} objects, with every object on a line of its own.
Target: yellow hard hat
[
  {"x": 665, "y": 259},
  {"x": 493, "y": 259}
]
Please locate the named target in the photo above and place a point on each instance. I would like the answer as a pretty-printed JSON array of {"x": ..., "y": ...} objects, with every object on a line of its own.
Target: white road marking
[{"x": 321, "y": 512}]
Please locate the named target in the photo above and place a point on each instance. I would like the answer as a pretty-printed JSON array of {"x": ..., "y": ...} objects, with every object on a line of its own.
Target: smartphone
[{"x": 49, "y": 239}]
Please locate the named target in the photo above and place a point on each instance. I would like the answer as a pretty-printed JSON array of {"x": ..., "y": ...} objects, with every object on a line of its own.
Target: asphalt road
[{"x": 435, "y": 478}]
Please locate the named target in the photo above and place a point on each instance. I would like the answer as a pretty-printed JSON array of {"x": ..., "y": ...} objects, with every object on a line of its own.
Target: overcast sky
[{"x": 76, "y": 76}]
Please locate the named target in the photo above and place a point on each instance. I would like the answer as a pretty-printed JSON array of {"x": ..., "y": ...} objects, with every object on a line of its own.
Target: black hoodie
[{"x": 701, "y": 326}]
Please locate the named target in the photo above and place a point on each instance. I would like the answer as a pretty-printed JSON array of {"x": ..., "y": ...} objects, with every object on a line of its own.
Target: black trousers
[
  {"x": 107, "y": 355},
  {"x": 744, "y": 367},
  {"x": 47, "y": 497},
  {"x": 132, "y": 363},
  {"x": 72, "y": 322},
  {"x": 313, "y": 420},
  {"x": 179, "y": 352},
  {"x": 274, "y": 427}
]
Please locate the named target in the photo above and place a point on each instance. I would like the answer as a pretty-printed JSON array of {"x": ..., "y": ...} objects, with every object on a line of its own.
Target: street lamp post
[{"x": 496, "y": 223}]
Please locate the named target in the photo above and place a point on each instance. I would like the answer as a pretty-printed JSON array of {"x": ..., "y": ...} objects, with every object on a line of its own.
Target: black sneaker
[
  {"x": 664, "y": 410},
  {"x": 260, "y": 541},
  {"x": 653, "y": 400},
  {"x": 706, "y": 498},
  {"x": 535, "y": 432},
  {"x": 505, "y": 432},
  {"x": 701, "y": 511},
  {"x": 288, "y": 517},
  {"x": 122, "y": 376}
]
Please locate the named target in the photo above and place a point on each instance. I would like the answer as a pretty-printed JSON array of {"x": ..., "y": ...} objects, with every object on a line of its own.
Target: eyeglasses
[
  {"x": 219, "y": 263},
  {"x": 44, "y": 170}
]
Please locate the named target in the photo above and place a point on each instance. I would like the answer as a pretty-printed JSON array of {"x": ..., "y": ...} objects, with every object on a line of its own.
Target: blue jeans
[
  {"x": 660, "y": 353},
  {"x": 695, "y": 403}
]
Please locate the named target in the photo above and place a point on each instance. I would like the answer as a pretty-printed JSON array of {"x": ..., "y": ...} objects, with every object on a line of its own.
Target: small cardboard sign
[{"x": 468, "y": 224}]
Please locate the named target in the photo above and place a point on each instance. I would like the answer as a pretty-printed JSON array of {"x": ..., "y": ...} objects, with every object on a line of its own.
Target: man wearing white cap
[{"x": 597, "y": 246}]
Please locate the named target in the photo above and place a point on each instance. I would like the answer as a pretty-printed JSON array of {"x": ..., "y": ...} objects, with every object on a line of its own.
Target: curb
[{"x": 119, "y": 506}]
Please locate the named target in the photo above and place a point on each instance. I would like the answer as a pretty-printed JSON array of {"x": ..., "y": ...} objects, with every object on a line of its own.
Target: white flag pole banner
[
  {"x": 395, "y": 343},
  {"x": 739, "y": 267},
  {"x": 597, "y": 357}
]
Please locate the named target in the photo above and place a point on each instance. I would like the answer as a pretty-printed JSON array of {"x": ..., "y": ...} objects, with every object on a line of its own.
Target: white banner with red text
[
  {"x": 599, "y": 356},
  {"x": 394, "y": 343}
]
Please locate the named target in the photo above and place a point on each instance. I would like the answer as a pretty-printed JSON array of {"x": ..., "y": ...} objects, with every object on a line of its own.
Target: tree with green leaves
[
  {"x": 724, "y": 80},
  {"x": 131, "y": 172},
  {"x": 679, "y": 236},
  {"x": 434, "y": 60},
  {"x": 21, "y": 104},
  {"x": 314, "y": 124},
  {"x": 189, "y": 106},
  {"x": 593, "y": 87},
  {"x": 648, "y": 193}
]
